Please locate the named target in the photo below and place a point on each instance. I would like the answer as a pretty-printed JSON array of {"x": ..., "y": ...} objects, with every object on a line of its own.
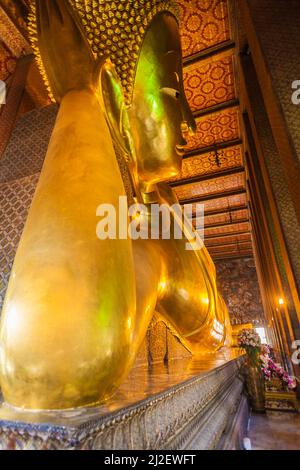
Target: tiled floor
[{"x": 275, "y": 431}]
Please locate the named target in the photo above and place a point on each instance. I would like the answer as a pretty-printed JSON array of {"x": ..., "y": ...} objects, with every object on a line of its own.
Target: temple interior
[{"x": 153, "y": 330}]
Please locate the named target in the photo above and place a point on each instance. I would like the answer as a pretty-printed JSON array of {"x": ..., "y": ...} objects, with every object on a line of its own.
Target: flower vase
[{"x": 256, "y": 388}]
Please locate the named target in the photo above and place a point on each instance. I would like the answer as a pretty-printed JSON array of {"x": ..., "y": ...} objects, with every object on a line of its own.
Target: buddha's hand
[{"x": 66, "y": 56}]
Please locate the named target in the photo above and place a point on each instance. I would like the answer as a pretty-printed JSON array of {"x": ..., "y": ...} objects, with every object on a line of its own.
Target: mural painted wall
[{"x": 238, "y": 282}]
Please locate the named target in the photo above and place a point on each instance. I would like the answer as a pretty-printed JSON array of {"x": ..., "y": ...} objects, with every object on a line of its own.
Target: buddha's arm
[{"x": 69, "y": 314}]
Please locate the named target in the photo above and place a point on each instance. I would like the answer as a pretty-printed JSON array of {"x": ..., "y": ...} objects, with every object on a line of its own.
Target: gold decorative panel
[
  {"x": 204, "y": 23},
  {"x": 215, "y": 128},
  {"x": 209, "y": 187},
  {"x": 210, "y": 83}
]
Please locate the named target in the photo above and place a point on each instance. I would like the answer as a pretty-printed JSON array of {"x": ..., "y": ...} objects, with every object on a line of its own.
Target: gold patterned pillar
[
  {"x": 267, "y": 35},
  {"x": 273, "y": 34},
  {"x": 274, "y": 219}
]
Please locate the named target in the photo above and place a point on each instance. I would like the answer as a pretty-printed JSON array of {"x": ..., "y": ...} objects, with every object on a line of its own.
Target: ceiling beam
[
  {"x": 213, "y": 148},
  {"x": 210, "y": 197},
  {"x": 208, "y": 53},
  {"x": 207, "y": 177},
  {"x": 216, "y": 108}
]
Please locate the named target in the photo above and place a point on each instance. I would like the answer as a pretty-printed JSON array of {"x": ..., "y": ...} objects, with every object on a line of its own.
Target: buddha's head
[
  {"x": 159, "y": 114},
  {"x": 141, "y": 39}
]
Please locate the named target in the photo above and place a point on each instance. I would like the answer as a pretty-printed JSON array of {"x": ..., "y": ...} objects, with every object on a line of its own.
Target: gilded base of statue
[
  {"x": 186, "y": 404},
  {"x": 256, "y": 388}
]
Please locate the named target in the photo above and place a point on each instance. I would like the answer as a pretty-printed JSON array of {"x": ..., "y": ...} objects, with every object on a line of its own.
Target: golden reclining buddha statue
[{"x": 77, "y": 308}]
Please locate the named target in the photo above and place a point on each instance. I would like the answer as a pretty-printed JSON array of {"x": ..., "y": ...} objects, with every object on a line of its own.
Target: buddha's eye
[{"x": 171, "y": 92}]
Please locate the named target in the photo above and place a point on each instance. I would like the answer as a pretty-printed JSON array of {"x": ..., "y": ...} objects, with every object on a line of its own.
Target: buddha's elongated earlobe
[
  {"x": 115, "y": 109},
  {"x": 114, "y": 105}
]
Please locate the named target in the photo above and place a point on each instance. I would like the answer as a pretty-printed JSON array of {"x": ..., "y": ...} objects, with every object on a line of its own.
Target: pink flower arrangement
[
  {"x": 259, "y": 356},
  {"x": 272, "y": 370}
]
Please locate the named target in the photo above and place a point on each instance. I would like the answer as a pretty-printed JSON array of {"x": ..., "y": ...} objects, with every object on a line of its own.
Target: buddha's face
[{"x": 159, "y": 114}]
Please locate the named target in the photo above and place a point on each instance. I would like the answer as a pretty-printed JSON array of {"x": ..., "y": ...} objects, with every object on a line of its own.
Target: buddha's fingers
[
  {"x": 66, "y": 57},
  {"x": 56, "y": 19}
]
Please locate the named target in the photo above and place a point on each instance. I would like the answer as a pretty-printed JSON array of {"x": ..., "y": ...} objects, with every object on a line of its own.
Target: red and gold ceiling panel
[
  {"x": 225, "y": 203},
  {"x": 209, "y": 83},
  {"x": 215, "y": 128},
  {"x": 204, "y": 23},
  {"x": 226, "y": 218},
  {"x": 218, "y": 219},
  {"x": 231, "y": 250},
  {"x": 227, "y": 229},
  {"x": 238, "y": 240},
  {"x": 210, "y": 187},
  {"x": 239, "y": 215},
  {"x": 206, "y": 164}
]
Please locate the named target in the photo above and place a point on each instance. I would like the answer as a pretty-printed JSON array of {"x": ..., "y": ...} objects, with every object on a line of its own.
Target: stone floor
[{"x": 275, "y": 431}]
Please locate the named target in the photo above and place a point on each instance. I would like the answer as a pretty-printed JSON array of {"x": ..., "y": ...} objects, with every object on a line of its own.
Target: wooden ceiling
[{"x": 213, "y": 166}]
